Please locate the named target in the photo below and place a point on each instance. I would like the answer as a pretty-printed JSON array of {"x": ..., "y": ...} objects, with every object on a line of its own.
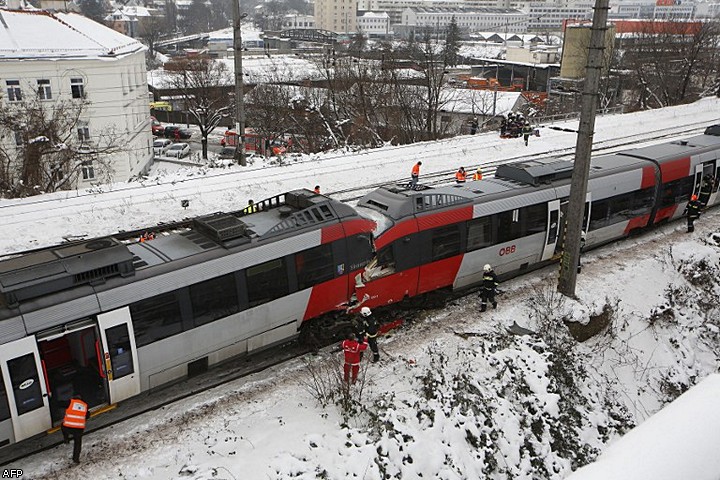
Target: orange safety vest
[
  {"x": 477, "y": 176},
  {"x": 416, "y": 170},
  {"x": 460, "y": 176},
  {"x": 75, "y": 414}
]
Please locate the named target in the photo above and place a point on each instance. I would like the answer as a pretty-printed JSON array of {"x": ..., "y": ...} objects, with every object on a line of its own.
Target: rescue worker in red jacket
[
  {"x": 352, "y": 349},
  {"x": 317, "y": 189},
  {"x": 460, "y": 175},
  {"x": 74, "y": 424}
]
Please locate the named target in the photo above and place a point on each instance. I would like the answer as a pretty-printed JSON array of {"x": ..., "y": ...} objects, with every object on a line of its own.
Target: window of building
[
  {"x": 77, "y": 86},
  {"x": 83, "y": 132},
  {"x": 314, "y": 266},
  {"x": 44, "y": 91},
  {"x": 213, "y": 299},
  {"x": 266, "y": 282},
  {"x": 156, "y": 318},
  {"x": 13, "y": 90},
  {"x": 88, "y": 171}
]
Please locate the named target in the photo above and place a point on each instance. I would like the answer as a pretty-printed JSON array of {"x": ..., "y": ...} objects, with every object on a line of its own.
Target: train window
[
  {"x": 25, "y": 383},
  {"x": 213, "y": 299},
  {"x": 4, "y": 405},
  {"x": 314, "y": 266},
  {"x": 359, "y": 252},
  {"x": 507, "y": 228},
  {"x": 599, "y": 214},
  {"x": 121, "y": 359},
  {"x": 156, "y": 318},
  {"x": 535, "y": 218},
  {"x": 676, "y": 192},
  {"x": 266, "y": 282},
  {"x": 479, "y": 233},
  {"x": 445, "y": 242}
]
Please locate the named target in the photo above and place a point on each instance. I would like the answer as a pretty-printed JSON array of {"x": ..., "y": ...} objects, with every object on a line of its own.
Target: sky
[{"x": 455, "y": 396}]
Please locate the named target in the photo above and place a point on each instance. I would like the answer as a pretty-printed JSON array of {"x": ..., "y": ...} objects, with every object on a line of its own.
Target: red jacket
[
  {"x": 415, "y": 170},
  {"x": 352, "y": 349}
]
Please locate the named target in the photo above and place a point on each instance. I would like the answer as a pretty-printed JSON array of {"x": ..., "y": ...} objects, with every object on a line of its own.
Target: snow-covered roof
[
  {"x": 462, "y": 100},
  {"x": 39, "y": 34}
]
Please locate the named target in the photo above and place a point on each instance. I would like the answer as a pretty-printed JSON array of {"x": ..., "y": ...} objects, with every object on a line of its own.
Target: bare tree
[
  {"x": 671, "y": 62},
  {"x": 46, "y": 147},
  {"x": 203, "y": 84},
  {"x": 152, "y": 29}
]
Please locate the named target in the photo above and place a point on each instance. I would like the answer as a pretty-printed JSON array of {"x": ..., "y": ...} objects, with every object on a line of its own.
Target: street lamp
[{"x": 239, "y": 87}]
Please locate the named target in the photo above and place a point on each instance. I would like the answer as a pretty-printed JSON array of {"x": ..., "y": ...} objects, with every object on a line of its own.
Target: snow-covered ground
[{"x": 455, "y": 396}]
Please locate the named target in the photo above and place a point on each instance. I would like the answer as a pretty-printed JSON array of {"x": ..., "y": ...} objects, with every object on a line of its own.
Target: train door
[
  {"x": 72, "y": 364},
  {"x": 27, "y": 395},
  {"x": 553, "y": 229},
  {"x": 697, "y": 182},
  {"x": 119, "y": 354}
]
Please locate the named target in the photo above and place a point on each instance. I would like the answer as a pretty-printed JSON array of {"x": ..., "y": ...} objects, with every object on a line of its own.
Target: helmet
[
  {"x": 487, "y": 267},
  {"x": 365, "y": 312},
  {"x": 693, "y": 198}
]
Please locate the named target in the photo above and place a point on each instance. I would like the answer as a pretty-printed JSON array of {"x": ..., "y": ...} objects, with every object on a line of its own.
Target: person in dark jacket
[
  {"x": 74, "y": 424},
  {"x": 582, "y": 247},
  {"x": 489, "y": 288},
  {"x": 693, "y": 212},
  {"x": 371, "y": 329},
  {"x": 527, "y": 130},
  {"x": 474, "y": 126},
  {"x": 706, "y": 189}
]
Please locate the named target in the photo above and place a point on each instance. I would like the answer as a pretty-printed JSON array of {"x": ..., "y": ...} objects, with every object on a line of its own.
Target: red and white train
[
  {"x": 110, "y": 320},
  {"x": 439, "y": 238}
]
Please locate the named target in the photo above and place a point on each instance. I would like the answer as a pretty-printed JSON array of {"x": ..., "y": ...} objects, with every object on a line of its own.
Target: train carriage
[
  {"x": 439, "y": 238},
  {"x": 110, "y": 320}
]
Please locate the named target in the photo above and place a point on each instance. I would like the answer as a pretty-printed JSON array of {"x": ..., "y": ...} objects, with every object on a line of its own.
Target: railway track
[{"x": 18, "y": 214}]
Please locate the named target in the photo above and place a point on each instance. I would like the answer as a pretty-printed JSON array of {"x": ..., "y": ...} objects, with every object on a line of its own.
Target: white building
[
  {"x": 296, "y": 21},
  {"x": 550, "y": 16},
  {"x": 468, "y": 19},
  {"x": 66, "y": 57},
  {"x": 374, "y": 24},
  {"x": 336, "y": 15}
]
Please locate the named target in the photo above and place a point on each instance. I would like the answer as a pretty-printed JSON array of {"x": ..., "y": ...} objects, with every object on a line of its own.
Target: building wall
[
  {"x": 337, "y": 16},
  {"x": 575, "y": 50},
  {"x": 374, "y": 24},
  {"x": 550, "y": 17},
  {"x": 116, "y": 104},
  {"x": 291, "y": 22},
  {"x": 513, "y": 21}
]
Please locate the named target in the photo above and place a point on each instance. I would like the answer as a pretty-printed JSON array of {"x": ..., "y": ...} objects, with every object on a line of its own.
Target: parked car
[
  {"x": 161, "y": 145},
  {"x": 156, "y": 126},
  {"x": 227, "y": 153},
  {"x": 171, "y": 129},
  {"x": 178, "y": 150}
]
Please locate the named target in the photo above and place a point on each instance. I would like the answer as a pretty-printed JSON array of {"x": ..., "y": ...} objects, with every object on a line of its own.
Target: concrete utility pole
[
  {"x": 583, "y": 148},
  {"x": 239, "y": 86}
]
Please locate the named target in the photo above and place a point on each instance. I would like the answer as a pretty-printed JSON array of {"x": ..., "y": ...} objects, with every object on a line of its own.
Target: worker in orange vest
[
  {"x": 460, "y": 175},
  {"x": 74, "y": 424},
  {"x": 415, "y": 174},
  {"x": 317, "y": 189},
  {"x": 478, "y": 174}
]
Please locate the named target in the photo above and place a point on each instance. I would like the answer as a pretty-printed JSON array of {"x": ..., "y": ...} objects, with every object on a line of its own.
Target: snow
[
  {"x": 31, "y": 34},
  {"x": 454, "y": 396}
]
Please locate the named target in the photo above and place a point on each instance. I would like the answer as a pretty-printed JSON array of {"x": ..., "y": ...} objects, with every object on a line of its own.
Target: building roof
[{"x": 42, "y": 35}]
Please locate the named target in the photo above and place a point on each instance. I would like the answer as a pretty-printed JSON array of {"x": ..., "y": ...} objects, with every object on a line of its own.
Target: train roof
[
  {"x": 675, "y": 149},
  {"x": 94, "y": 261}
]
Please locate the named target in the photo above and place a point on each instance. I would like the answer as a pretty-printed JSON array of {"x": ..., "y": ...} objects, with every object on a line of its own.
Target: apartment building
[{"x": 70, "y": 58}]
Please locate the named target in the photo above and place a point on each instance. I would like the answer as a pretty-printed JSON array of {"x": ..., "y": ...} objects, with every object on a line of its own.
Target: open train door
[
  {"x": 26, "y": 390},
  {"x": 119, "y": 354}
]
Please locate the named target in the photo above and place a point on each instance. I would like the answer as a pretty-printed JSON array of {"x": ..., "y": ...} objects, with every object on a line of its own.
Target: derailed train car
[
  {"x": 110, "y": 320},
  {"x": 439, "y": 238}
]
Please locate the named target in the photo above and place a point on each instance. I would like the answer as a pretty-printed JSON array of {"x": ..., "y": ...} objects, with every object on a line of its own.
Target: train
[{"x": 110, "y": 319}]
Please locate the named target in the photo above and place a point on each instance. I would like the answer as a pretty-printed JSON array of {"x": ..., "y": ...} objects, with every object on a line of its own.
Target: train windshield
[{"x": 382, "y": 222}]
